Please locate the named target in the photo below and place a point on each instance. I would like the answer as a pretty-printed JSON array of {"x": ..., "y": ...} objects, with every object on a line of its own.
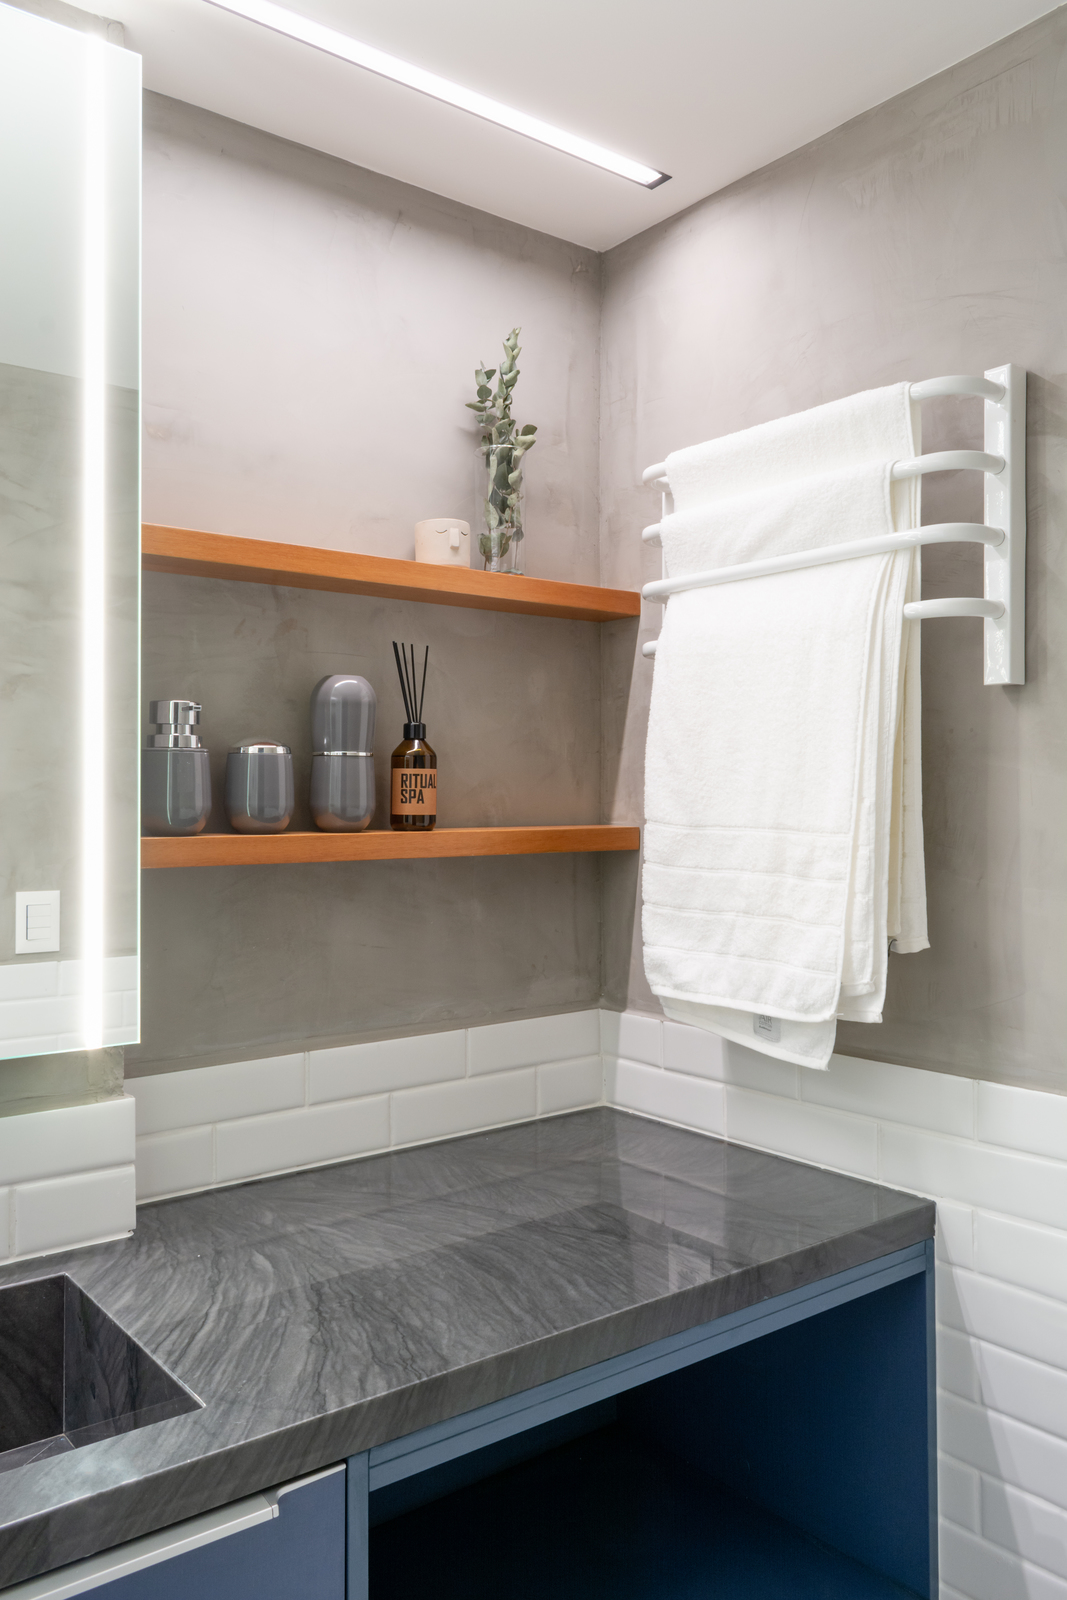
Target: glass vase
[{"x": 499, "y": 510}]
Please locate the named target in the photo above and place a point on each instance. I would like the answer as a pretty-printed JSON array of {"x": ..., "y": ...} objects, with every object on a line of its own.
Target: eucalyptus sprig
[{"x": 503, "y": 446}]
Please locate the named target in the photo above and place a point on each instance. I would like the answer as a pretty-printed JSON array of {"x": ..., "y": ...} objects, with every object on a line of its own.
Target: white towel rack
[{"x": 1003, "y": 533}]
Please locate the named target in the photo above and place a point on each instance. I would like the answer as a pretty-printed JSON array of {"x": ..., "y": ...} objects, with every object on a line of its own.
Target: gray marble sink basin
[{"x": 69, "y": 1375}]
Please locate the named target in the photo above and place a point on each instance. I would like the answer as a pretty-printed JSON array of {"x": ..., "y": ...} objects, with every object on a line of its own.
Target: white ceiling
[{"x": 703, "y": 89}]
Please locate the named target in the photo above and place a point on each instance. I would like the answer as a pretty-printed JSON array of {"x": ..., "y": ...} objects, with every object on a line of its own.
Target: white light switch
[{"x": 36, "y": 920}]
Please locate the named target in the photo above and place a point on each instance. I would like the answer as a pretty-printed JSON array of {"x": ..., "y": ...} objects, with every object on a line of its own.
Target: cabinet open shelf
[
  {"x": 191, "y": 553},
  {"x": 379, "y": 844},
  {"x": 608, "y": 1517}
]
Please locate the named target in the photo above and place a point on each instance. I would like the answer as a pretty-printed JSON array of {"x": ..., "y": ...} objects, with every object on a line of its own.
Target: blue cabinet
[
  {"x": 783, "y": 1452},
  {"x": 288, "y": 1544},
  {"x": 299, "y": 1554}
]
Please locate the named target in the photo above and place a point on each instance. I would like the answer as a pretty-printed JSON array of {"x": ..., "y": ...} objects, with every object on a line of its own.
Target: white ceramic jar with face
[{"x": 443, "y": 541}]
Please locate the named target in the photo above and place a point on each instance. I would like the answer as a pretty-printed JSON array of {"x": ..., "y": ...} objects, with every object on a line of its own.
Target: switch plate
[{"x": 36, "y": 921}]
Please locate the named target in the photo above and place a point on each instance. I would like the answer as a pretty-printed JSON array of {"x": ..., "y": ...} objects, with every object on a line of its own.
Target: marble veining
[{"x": 320, "y": 1314}]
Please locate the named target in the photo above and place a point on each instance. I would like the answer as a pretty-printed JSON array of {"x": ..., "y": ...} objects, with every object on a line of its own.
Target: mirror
[{"x": 70, "y": 141}]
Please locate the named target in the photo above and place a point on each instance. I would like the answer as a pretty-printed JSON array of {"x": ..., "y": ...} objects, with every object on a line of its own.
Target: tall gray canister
[{"x": 343, "y": 709}]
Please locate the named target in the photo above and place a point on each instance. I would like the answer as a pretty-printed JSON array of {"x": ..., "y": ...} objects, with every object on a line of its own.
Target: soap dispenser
[
  {"x": 414, "y": 763},
  {"x": 175, "y": 775}
]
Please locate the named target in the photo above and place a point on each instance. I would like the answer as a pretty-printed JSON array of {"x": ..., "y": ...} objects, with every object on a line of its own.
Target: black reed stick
[
  {"x": 403, "y": 684},
  {"x": 425, "y": 661},
  {"x": 408, "y": 675},
  {"x": 396, "y": 657}
]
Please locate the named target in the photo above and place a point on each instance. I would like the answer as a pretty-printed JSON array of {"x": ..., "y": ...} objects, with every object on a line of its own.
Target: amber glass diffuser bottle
[{"x": 414, "y": 764}]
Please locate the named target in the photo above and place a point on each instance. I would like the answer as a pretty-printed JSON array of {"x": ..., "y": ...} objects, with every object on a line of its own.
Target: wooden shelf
[
  {"x": 378, "y": 844},
  {"x": 219, "y": 555}
]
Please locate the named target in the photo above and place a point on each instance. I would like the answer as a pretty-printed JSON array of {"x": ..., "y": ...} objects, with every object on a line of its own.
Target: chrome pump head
[{"x": 175, "y": 725}]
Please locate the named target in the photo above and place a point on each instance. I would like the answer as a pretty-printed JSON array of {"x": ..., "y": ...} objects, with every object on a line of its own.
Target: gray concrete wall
[
  {"x": 238, "y": 962},
  {"x": 69, "y": 1078},
  {"x": 311, "y": 331},
  {"x": 925, "y": 237}
]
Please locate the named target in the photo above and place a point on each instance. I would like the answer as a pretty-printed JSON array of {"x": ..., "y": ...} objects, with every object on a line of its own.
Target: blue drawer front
[{"x": 298, "y": 1555}]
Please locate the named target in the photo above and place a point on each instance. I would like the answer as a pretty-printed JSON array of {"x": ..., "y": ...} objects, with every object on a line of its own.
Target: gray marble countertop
[{"x": 325, "y": 1312}]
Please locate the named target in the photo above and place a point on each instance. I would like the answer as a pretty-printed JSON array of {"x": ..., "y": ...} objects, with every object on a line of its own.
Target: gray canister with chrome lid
[
  {"x": 343, "y": 708},
  {"x": 175, "y": 775},
  {"x": 259, "y": 786}
]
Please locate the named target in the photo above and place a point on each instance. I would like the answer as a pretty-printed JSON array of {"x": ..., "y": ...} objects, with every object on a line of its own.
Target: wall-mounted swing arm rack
[{"x": 1003, "y": 533}]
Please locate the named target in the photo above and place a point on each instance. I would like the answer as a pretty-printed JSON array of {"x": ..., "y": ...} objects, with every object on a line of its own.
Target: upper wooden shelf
[
  {"x": 381, "y": 844},
  {"x": 297, "y": 566}
]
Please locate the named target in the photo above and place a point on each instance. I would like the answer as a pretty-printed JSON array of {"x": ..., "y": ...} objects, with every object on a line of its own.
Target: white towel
[
  {"x": 875, "y": 426},
  {"x": 783, "y": 814}
]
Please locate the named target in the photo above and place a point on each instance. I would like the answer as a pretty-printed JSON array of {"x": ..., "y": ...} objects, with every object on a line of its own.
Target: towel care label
[
  {"x": 414, "y": 791},
  {"x": 768, "y": 1028}
]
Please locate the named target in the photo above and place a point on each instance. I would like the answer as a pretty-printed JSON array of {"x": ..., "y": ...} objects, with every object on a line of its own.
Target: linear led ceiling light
[{"x": 333, "y": 43}]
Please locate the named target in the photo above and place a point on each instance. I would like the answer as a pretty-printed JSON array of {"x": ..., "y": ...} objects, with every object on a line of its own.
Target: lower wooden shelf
[{"x": 271, "y": 849}]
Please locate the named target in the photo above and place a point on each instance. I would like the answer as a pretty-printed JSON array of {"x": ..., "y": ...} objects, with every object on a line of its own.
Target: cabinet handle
[{"x": 274, "y": 1495}]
